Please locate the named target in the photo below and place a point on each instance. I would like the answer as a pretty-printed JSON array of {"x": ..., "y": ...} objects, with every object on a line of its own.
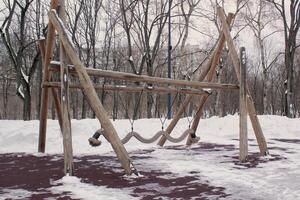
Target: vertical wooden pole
[
  {"x": 44, "y": 96},
  {"x": 42, "y": 46},
  {"x": 243, "y": 107},
  {"x": 109, "y": 131},
  {"x": 66, "y": 121},
  {"x": 250, "y": 104}
]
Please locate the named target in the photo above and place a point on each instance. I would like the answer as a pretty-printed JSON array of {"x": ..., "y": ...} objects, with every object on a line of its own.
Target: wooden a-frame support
[
  {"x": 67, "y": 51},
  {"x": 61, "y": 105},
  {"x": 250, "y": 104},
  {"x": 209, "y": 74}
]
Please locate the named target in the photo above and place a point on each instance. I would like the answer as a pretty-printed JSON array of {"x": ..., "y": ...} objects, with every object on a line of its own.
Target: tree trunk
[
  {"x": 265, "y": 90},
  {"x": 83, "y": 108},
  {"x": 27, "y": 104}
]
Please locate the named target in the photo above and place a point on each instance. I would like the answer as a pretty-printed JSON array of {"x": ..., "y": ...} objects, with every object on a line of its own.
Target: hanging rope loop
[{"x": 131, "y": 119}]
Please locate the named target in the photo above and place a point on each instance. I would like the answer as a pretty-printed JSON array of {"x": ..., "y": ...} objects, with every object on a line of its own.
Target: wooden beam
[
  {"x": 65, "y": 104},
  {"x": 243, "y": 108},
  {"x": 44, "y": 96},
  {"x": 148, "y": 79},
  {"x": 124, "y": 88},
  {"x": 91, "y": 95},
  {"x": 250, "y": 104}
]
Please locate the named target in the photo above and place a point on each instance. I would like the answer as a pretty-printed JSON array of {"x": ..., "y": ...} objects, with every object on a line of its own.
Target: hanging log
[
  {"x": 91, "y": 95},
  {"x": 46, "y": 76},
  {"x": 250, "y": 104},
  {"x": 126, "y": 88},
  {"x": 148, "y": 79}
]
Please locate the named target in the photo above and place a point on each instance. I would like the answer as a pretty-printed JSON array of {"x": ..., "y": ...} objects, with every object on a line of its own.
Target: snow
[
  {"x": 25, "y": 77},
  {"x": 80, "y": 190},
  {"x": 20, "y": 91},
  {"x": 15, "y": 194},
  {"x": 278, "y": 179}
]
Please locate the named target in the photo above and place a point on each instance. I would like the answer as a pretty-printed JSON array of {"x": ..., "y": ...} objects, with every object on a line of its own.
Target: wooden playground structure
[{"x": 70, "y": 64}]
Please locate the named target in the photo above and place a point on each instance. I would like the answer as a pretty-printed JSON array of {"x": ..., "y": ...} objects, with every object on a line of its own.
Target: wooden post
[
  {"x": 250, "y": 104},
  {"x": 44, "y": 96},
  {"x": 66, "y": 121},
  {"x": 134, "y": 89},
  {"x": 243, "y": 107},
  {"x": 86, "y": 83},
  {"x": 42, "y": 47}
]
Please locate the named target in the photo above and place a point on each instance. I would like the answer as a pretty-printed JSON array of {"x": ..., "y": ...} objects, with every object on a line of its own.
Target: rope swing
[{"x": 133, "y": 134}]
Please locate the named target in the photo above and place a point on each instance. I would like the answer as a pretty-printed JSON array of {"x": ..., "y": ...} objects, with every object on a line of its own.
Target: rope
[
  {"x": 173, "y": 102},
  {"x": 188, "y": 118},
  {"x": 140, "y": 138},
  {"x": 131, "y": 120},
  {"x": 137, "y": 105},
  {"x": 156, "y": 137},
  {"x": 126, "y": 110}
]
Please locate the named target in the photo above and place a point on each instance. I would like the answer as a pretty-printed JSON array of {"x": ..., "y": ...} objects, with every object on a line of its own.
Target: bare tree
[
  {"x": 15, "y": 34},
  {"x": 290, "y": 15},
  {"x": 143, "y": 30},
  {"x": 259, "y": 18}
]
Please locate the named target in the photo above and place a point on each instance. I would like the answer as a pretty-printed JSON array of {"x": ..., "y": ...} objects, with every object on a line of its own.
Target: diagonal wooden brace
[
  {"x": 209, "y": 77},
  {"x": 91, "y": 95},
  {"x": 250, "y": 104},
  {"x": 207, "y": 72}
]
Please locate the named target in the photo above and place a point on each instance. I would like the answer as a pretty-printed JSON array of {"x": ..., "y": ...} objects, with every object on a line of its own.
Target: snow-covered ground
[{"x": 276, "y": 176}]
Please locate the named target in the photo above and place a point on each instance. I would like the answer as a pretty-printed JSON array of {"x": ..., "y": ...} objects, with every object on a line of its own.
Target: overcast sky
[{"x": 245, "y": 37}]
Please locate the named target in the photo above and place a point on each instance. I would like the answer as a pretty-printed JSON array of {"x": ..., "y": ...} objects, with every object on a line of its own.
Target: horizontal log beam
[
  {"x": 124, "y": 88},
  {"x": 55, "y": 66}
]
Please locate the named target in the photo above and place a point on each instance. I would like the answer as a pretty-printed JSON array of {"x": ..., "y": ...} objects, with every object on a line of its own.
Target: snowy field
[{"x": 212, "y": 163}]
